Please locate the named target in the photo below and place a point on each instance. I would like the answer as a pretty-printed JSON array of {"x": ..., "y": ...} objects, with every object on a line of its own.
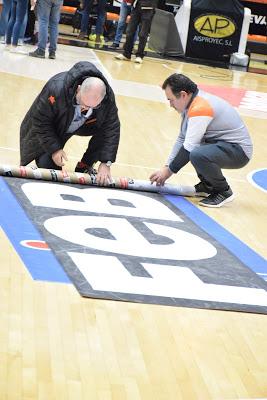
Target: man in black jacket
[
  {"x": 76, "y": 102},
  {"x": 142, "y": 14}
]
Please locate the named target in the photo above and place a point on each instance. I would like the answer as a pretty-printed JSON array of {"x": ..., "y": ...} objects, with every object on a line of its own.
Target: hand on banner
[
  {"x": 103, "y": 177},
  {"x": 160, "y": 176}
]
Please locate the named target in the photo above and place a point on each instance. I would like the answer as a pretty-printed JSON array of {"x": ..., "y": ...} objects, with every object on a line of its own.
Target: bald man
[{"x": 76, "y": 102}]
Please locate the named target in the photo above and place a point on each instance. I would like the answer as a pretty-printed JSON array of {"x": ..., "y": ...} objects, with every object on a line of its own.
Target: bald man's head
[{"x": 91, "y": 92}]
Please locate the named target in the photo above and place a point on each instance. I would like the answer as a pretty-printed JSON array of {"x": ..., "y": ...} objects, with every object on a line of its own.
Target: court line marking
[
  {"x": 251, "y": 180},
  {"x": 40, "y": 264}
]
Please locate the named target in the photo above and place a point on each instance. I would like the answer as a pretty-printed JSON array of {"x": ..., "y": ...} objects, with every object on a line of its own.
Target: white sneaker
[
  {"x": 138, "y": 60},
  {"x": 18, "y": 50},
  {"x": 2, "y": 40},
  {"x": 122, "y": 57}
]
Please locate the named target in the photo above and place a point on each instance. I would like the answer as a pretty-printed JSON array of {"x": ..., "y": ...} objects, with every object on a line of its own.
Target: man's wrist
[{"x": 169, "y": 169}]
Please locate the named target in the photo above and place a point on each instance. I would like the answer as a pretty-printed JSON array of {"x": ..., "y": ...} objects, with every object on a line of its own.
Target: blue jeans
[
  {"x": 19, "y": 9},
  {"x": 101, "y": 15},
  {"x": 124, "y": 12},
  {"x": 5, "y": 17},
  {"x": 48, "y": 14}
]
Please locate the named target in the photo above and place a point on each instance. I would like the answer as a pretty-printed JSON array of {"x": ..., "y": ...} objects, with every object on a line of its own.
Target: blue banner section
[
  {"x": 245, "y": 254},
  {"x": 41, "y": 264}
]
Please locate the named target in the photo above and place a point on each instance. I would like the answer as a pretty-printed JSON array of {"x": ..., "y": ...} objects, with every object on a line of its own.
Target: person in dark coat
[{"x": 76, "y": 102}]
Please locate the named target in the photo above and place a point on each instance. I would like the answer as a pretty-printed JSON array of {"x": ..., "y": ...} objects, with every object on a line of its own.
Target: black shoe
[
  {"x": 37, "y": 53},
  {"x": 85, "y": 169},
  {"x": 216, "y": 200},
  {"x": 52, "y": 55},
  {"x": 114, "y": 46},
  {"x": 202, "y": 190}
]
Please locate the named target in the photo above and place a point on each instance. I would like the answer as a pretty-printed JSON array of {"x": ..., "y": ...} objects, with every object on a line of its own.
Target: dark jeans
[
  {"x": 144, "y": 18},
  {"x": 19, "y": 8},
  {"x": 101, "y": 15},
  {"x": 208, "y": 160}
]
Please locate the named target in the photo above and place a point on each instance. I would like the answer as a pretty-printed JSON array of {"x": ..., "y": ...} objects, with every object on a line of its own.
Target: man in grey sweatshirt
[{"x": 212, "y": 137}]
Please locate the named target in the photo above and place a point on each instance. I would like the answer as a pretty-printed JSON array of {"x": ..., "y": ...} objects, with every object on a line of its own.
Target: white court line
[
  {"x": 44, "y": 70},
  {"x": 250, "y": 179},
  {"x": 9, "y": 149}
]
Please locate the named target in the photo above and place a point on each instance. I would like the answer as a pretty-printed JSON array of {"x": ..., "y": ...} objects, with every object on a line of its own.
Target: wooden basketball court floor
[{"x": 55, "y": 344}]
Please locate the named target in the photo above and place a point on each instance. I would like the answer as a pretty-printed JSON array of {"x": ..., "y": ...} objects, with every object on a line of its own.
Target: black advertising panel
[
  {"x": 214, "y": 29},
  {"x": 258, "y": 20}
]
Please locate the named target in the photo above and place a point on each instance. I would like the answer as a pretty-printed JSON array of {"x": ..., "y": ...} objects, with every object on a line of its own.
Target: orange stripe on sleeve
[{"x": 200, "y": 108}]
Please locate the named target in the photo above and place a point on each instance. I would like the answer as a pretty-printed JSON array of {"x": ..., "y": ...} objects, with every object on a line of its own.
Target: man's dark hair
[{"x": 179, "y": 82}]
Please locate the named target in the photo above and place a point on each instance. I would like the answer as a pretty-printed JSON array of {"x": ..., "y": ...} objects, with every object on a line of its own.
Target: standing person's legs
[
  {"x": 101, "y": 16},
  {"x": 85, "y": 18},
  {"x": 130, "y": 32},
  {"x": 124, "y": 12},
  {"x": 5, "y": 17},
  {"x": 146, "y": 20},
  {"x": 21, "y": 10},
  {"x": 24, "y": 25},
  {"x": 53, "y": 27},
  {"x": 11, "y": 22},
  {"x": 43, "y": 15}
]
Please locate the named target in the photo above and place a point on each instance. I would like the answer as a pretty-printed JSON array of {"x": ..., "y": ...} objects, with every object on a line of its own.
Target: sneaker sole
[
  {"x": 36, "y": 56},
  {"x": 228, "y": 200},
  {"x": 122, "y": 59}
]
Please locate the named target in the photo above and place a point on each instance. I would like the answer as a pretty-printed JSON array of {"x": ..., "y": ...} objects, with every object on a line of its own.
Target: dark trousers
[
  {"x": 101, "y": 15},
  {"x": 45, "y": 161},
  {"x": 90, "y": 156},
  {"x": 144, "y": 18},
  {"x": 209, "y": 159}
]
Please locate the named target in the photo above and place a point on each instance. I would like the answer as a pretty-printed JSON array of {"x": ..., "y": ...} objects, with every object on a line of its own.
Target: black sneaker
[
  {"x": 38, "y": 53},
  {"x": 52, "y": 55},
  {"x": 217, "y": 200},
  {"x": 114, "y": 46},
  {"x": 202, "y": 190},
  {"x": 85, "y": 169}
]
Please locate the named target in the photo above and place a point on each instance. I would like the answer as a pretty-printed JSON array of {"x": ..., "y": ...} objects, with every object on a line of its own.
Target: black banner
[
  {"x": 258, "y": 18},
  {"x": 214, "y": 29}
]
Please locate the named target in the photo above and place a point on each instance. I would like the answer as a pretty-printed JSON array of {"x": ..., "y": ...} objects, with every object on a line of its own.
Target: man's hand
[
  {"x": 160, "y": 176},
  {"x": 103, "y": 177},
  {"x": 58, "y": 157}
]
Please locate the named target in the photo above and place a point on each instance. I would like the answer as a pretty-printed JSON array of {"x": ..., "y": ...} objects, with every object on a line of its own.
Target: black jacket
[{"x": 44, "y": 128}]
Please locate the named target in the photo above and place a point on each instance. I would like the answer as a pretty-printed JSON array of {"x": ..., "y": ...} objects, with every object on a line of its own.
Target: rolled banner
[{"x": 32, "y": 172}]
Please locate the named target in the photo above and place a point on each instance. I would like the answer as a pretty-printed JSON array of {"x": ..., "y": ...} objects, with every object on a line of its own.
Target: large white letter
[
  {"x": 97, "y": 200},
  {"x": 117, "y": 235},
  {"x": 106, "y": 273}
]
